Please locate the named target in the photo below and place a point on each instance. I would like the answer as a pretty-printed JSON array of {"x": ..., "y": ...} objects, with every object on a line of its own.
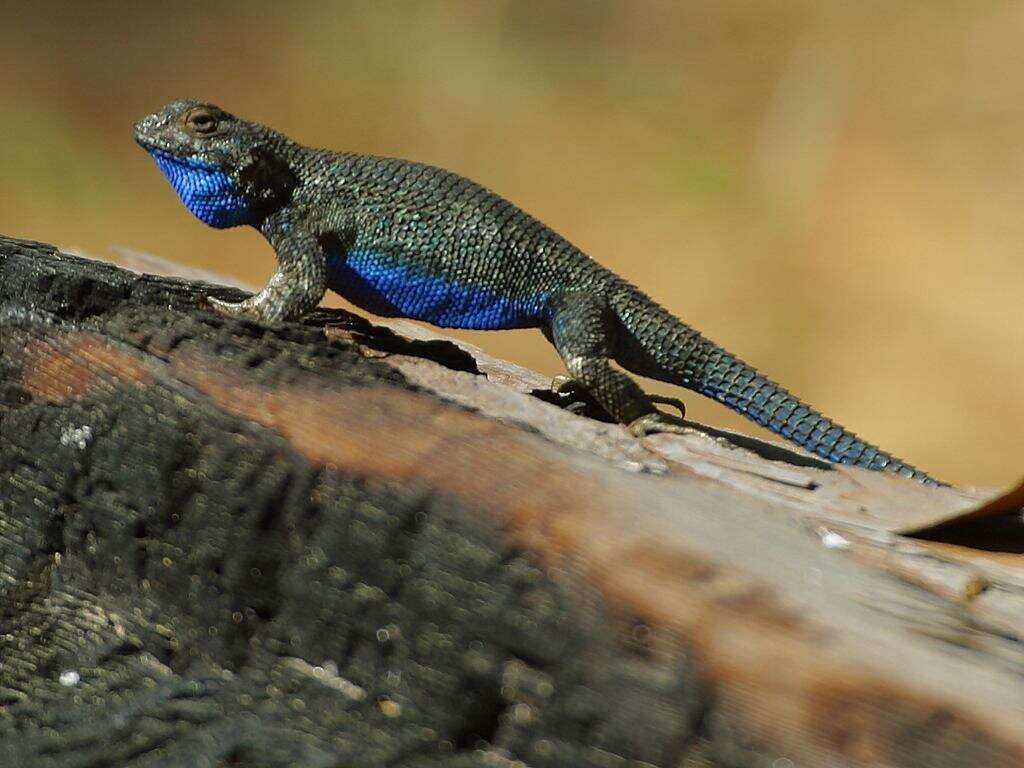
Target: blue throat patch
[
  {"x": 384, "y": 285},
  {"x": 205, "y": 190}
]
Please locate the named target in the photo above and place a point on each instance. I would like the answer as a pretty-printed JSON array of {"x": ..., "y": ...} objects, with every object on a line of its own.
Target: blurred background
[{"x": 832, "y": 190}]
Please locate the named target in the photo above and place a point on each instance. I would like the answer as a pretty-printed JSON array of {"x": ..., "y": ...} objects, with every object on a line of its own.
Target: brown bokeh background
[{"x": 832, "y": 190}]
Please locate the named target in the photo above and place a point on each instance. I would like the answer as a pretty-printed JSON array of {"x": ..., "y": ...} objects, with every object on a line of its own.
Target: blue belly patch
[
  {"x": 205, "y": 190},
  {"x": 385, "y": 286}
]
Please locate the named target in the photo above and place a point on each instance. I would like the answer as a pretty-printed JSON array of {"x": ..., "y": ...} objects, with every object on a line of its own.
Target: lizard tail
[{"x": 659, "y": 345}]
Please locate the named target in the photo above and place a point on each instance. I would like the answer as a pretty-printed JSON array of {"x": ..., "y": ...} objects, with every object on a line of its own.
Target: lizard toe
[
  {"x": 232, "y": 308},
  {"x": 658, "y": 422},
  {"x": 674, "y": 402}
]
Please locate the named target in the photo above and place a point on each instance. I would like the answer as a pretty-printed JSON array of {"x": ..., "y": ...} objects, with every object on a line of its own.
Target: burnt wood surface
[{"x": 345, "y": 543}]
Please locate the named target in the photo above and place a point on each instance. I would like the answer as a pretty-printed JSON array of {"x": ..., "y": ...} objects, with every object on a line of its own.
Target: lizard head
[{"x": 227, "y": 171}]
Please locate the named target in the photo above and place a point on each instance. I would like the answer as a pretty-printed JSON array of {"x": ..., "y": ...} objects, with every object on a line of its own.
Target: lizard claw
[{"x": 674, "y": 402}]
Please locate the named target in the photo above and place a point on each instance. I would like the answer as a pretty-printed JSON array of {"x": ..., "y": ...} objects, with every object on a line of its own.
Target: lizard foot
[
  {"x": 566, "y": 385},
  {"x": 575, "y": 398},
  {"x": 657, "y": 421},
  {"x": 246, "y": 308}
]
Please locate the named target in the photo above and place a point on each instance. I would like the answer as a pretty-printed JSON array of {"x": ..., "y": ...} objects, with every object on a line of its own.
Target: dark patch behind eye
[{"x": 268, "y": 179}]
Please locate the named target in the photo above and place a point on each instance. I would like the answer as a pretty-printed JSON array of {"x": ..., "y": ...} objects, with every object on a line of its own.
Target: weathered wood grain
[{"x": 340, "y": 544}]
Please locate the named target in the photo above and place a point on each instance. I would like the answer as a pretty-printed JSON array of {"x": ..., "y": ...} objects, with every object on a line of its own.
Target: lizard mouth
[
  {"x": 144, "y": 130},
  {"x": 147, "y": 144},
  {"x": 162, "y": 150},
  {"x": 163, "y": 156}
]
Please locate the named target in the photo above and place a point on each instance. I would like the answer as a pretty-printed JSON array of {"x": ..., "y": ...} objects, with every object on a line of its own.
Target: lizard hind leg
[{"x": 581, "y": 332}]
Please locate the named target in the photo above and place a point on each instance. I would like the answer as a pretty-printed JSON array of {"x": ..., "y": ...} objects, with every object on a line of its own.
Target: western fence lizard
[{"x": 400, "y": 238}]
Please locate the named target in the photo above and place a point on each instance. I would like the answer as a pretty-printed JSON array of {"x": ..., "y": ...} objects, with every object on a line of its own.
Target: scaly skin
[{"x": 402, "y": 239}]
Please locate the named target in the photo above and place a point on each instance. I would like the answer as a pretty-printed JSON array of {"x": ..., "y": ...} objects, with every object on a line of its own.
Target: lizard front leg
[{"x": 299, "y": 282}]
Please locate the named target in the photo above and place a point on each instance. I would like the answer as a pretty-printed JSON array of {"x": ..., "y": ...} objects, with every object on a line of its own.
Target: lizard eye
[{"x": 202, "y": 121}]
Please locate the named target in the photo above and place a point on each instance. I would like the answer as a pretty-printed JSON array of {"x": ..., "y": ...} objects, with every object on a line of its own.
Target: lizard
[{"x": 404, "y": 239}]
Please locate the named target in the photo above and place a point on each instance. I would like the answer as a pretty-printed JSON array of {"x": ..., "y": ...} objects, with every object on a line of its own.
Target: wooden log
[{"x": 338, "y": 543}]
